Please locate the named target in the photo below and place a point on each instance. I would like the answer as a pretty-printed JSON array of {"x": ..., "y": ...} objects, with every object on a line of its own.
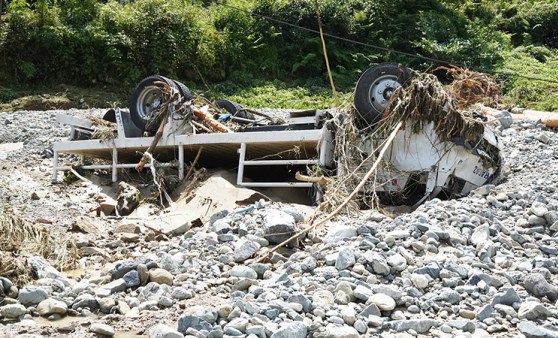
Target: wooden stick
[
  {"x": 335, "y": 98},
  {"x": 304, "y": 178},
  {"x": 204, "y": 115},
  {"x": 193, "y": 164},
  {"x": 201, "y": 126},
  {"x": 347, "y": 200},
  {"x": 158, "y": 135}
]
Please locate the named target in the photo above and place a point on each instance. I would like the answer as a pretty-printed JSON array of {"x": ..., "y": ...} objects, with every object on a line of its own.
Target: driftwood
[
  {"x": 304, "y": 178},
  {"x": 361, "y": 184},
  {"x": 549, "y": 119},
  {"x": 193, "y": 165},
  {"x": 156, "y": 138},
  {"x": 204, "y": 115}
]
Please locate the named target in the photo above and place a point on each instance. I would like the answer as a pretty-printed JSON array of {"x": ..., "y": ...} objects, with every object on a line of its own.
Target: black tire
[
  {"x": 183, "y": 90},
  {"x": 374, "y": 89},
  {"x": 146, "y": 101},
  {"x": 231, "y": 108}
]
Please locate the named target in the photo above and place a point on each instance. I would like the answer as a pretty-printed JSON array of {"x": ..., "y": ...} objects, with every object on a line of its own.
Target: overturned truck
[{"x": 437, "y": 150}]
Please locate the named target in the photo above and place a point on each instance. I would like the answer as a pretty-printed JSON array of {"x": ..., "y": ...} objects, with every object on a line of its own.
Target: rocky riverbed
[{"x": 484, "y": 265}]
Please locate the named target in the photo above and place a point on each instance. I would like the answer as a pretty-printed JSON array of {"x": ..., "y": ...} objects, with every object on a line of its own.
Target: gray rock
[
  {"x": 102, "y": 329},
  {"x": 418, "y": 325},
  {"x": 206, "y": 313},
  {"x": 378, "y": 263},
  {"x": 450, "y": 296},
  {"x": 51, "y": 306},
  {"x": 117, "y": 285},
  {"x": 533, "y": 330},
  {"x": 12, "y": 311},
  {"x": 221, "y": 226},
  {"x": 480, "y": 235},
  {"x": 431, "y": 269},
  {"x": 128, "y": 199},
  {"x": 85, "y": 301},
  {"x": 323, "y": 298},
  {"x": 382, "y": 301},
  {"x": 484, "y": 312},
  {"x": 278, "y": 226},
  {"x": 340, "y": 232},
  {"x": 153, "y": 291},
  {"x": 180, "y": 293},
  {"x": 260, "y": 268},
  {"x": 106, "y": 304},
  {"x": 165, "y": 301},
  {"x": 163, "y": 331},
  {"x": 302, "y": 300},
  {"x": 122, "y": 268},
  {"x": 532, "y": 311},
  {"x": 132, "y": 279},
  {"x": 308, "y": 264},
  {"x": 397, "y": 261},
  {"x": 463, "y": 325},
  {"x": 537, "y": 285},
  {"x": 218, "y": 215},
  {"x": 345, "y": 259},
  {"x": 505, "y": 119},
  {"x": 370, "y": 310},
  {"x": 186, "y": 322},
  {"x": 32, "y": 295},
  {"x": 42, "y": 269},
  {"x": 6, "y": 283},
  {"x": 294, "y": 212},
  {"x": 231, "y": 331},
  {"x": 340, "y": 332},
  {"x": 360, "y": 326},
  {"x": 291, "y": 330},
  {"x": 243, "y": 272},
  {"x": 507, "y": 297},
  {"x": 245, "y": 249},
  {"x": 362, "y": 292}
]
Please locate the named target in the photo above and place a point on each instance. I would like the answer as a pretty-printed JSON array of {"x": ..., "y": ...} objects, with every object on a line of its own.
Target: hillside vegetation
[{"x": 250, "y": 50}]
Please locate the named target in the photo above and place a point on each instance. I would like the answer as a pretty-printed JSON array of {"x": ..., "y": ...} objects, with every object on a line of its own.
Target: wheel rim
[
  {"x": 381, "y": 91},
  {"x": 148, "y": 103}
]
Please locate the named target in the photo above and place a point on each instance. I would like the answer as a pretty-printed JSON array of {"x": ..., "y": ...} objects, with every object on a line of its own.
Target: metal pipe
[
  {"x": 276, "y": 184},
  {"x": 54, "y": 166},
  {"x": 114, "y": 165},
  {"x": 278, "y": 162},
  {"x": 110, "y": 166},
  {"x": 180, "y": 162},
  {"x": 241, "y": 157}
]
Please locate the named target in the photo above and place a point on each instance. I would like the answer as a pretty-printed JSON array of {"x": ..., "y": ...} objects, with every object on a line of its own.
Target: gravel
[{"x": 477, "y": 266}]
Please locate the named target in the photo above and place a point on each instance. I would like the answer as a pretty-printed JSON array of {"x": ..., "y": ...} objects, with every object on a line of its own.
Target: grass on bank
[{"x": 263, "y": 94}]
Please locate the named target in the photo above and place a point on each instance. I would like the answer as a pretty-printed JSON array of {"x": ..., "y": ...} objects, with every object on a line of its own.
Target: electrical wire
[{"x": 385, "y": 49}]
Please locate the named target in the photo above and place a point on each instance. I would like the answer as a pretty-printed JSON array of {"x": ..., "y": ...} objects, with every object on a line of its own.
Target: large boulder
[
  {"x": 128, "y": 199},
  {"x": 278, "y": 226}
]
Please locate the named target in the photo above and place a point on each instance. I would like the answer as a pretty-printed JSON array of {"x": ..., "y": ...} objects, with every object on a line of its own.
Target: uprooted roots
[
  {"x": 469, "y": 87},
  {"x": 20, "y": 239}
]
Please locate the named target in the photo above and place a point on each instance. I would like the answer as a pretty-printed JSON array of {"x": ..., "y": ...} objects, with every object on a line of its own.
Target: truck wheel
[
  {"x": 374, "y": 89},
  {"x": 231, "y": 108},
  {"x": 146, "y": 101},
  {"x": 183, "y": 90}
]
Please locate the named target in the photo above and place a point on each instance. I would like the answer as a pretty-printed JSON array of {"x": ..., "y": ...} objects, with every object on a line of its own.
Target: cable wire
[{"x": 385, "y": 49}]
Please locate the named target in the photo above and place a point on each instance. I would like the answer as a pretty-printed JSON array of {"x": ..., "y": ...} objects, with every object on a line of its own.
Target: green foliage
[
  {"x": 526, "y": 92},
  {"x": 116, "y": 43}
]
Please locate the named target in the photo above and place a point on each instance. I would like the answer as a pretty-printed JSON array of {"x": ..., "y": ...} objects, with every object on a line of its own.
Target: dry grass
[
  {"x": 20, "y": 239},
  {"x": 469, "y": 87}
]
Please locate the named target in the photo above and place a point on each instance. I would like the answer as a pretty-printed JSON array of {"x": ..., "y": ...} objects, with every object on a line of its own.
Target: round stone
[{"x": 382, "y": 301}]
